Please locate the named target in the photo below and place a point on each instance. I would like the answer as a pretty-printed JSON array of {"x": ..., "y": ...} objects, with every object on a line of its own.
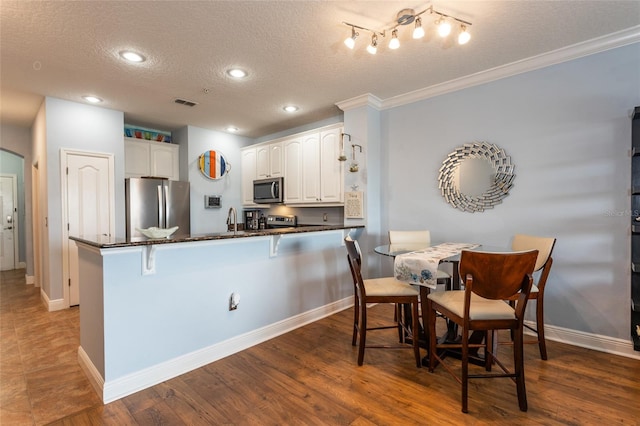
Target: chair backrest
[
  {"x": 355, "y": 261},
  {"x": 410, "y": 237},
  {"x": 544, "y": 245},
  {"x": 498, "y": 276}
]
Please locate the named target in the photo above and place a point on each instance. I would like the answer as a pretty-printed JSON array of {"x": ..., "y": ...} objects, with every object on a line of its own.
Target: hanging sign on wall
[{"x": 213, "y": 164}]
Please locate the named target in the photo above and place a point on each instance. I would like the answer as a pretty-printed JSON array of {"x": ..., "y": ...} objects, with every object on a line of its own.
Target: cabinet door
[
  {"x": 262, "y": 162},
  {"x": 331, "y": 170},
  {"x": 293, "y": 171},
  {"x": 311, "y": 168},
  {"x": 276, "y": 160},
  {"x": 164, "y": 160},
  {"x": 248, "y": 165},
  {"x": 136, "y": 158}
]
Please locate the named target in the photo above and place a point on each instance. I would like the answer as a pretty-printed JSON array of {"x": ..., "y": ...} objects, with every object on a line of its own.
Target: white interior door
[
  {"x": 89, "y": 208},
  {"x": 8, "y": 241}
]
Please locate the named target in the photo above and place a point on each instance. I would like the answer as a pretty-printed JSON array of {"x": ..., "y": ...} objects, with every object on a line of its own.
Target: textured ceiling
[{"x": 292, "y": 50}]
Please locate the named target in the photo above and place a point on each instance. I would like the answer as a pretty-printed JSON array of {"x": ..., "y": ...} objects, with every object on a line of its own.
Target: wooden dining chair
[
  {"x": 545, "y": 246},
  {"x": 490, "y": 279},
  {"x": 419, "y": 239},
  {"x": 381, "y": 290}
]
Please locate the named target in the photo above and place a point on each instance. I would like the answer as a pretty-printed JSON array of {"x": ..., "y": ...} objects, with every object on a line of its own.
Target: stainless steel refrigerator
[{"x": 157, "y": 202}]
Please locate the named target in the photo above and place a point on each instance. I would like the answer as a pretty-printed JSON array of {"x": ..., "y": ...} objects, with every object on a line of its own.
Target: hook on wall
[
  {"x": 343, "y": 157},
  {"x": 353, "y": 168}
]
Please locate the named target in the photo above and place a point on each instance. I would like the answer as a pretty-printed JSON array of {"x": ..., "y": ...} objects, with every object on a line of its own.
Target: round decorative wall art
[
  {"x": 213, "y": 164},
  {"x": 476, "y": 177}
]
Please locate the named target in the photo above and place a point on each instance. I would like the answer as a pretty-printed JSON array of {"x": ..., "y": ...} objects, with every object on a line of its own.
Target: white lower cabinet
[{"x": 149, "y": 158}]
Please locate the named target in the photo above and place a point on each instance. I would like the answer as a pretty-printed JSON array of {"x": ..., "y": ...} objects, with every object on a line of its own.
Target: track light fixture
[{"x": 406, "y": 17}]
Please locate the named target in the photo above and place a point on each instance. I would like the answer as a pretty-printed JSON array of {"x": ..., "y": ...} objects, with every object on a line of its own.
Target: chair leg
[
  {"x": 356, "y": 317},
  {"x": 399, "y": 317},
  {"x": 490, "y": 335},
  {"x": 465, "y": 370},
  {"x": 415, "y": 333},
  {"x": 363, "y": 334},
  {"x": 518, "y": 363},
  {"x": 431, "y": 326},
  {"x": 542, "y": 343}
]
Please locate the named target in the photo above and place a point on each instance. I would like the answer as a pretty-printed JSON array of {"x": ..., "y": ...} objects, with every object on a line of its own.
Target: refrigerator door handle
[
  {"x": 167, "y": 203},
  {"x": 160, "y": 207}
]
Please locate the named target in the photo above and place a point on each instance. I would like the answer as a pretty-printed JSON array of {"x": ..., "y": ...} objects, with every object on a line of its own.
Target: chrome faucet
[{"x": 235, "y": 219}]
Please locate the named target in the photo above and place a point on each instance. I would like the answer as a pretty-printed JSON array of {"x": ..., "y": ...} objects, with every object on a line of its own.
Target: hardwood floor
[{"x": 306, "y": 377}]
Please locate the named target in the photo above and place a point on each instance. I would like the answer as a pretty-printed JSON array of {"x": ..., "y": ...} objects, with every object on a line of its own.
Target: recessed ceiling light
[
  {"x": 232, "y": 129},
  {"x": 132, "y": 56},
  {"x": 92, "y": 99},
  {"x": 237, "y": 73},
  {"x": 290, "y": 108}
]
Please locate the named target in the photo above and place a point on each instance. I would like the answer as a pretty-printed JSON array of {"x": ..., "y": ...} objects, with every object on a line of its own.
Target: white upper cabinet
[
  {"x": 293, "y": 171},
  {"x": 308, "y": 162},
  {"x": 313, "y": 173},
  {"x": 311, "y": 168},
  {"x": 270, "y": 161},
  {"x": 248, "y": 167},
  {"x": 149, "y": 158},
  {"x": 331, "y": 170}
]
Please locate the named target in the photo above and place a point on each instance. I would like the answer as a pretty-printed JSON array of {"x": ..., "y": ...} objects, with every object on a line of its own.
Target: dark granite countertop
[{"x": 105, "y": 242}]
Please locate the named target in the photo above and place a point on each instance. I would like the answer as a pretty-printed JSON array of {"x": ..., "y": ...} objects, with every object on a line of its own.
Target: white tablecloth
[{"x": 420, "y": 267}]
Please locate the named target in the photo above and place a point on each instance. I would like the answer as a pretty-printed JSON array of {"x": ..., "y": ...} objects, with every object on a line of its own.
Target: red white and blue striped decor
[{"x": 213, "y": 165}]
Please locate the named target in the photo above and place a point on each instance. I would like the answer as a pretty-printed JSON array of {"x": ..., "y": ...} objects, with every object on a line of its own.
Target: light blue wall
[
  {"x": 17, "y": 140},
  {"x": 184, "y": 306},
  {"x": 82, "y": 127},
  {"x": 13, "y": 164},
  {"x": 567, "y": 129},
  {"x": 198, "y": 141}
]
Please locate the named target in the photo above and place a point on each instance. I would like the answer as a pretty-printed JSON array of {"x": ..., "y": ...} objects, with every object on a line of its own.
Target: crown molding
[
  {"x": 575, "y": 51},
  {"x": 363, "y": 100}
]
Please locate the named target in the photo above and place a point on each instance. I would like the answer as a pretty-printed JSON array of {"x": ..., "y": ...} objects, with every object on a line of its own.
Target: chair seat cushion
[
  {"x": 388, "y": 286},
  {"x": 481, "y": 308}
]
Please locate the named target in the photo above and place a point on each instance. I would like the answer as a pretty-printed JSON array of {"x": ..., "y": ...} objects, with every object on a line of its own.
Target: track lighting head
[
  {"x": 464, "y": 36},
  {"x": 444, "y": 27},
  {"x": 350, "y": 42},
  {"x": 373, "y": 47},
  {"x": 418, "y": 31},
  {"x": 394, "y": 43}
]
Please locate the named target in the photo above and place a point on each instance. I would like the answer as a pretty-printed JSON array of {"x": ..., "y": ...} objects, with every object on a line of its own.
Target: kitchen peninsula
[{"x": 151, "y": 310}]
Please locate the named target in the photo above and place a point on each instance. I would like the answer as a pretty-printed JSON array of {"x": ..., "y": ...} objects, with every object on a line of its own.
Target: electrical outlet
[{"x": 325, "y": 217}]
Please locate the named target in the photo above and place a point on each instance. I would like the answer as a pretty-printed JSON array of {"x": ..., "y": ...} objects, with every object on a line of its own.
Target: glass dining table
[{"x": 394, "y": 250}]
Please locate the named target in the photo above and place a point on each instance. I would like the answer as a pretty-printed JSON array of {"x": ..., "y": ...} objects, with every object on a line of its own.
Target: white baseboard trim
[
  {"x": 52, "y": 305},
  {"x": 596, "y": 342},
  {"x": 91, "y": 371},
  {"x": 113, "y": 390},
  {"x": 30, "y": 279}
]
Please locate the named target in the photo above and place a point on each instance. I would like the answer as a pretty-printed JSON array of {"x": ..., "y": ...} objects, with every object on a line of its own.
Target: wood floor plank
[{"x": 308, "y": 376}]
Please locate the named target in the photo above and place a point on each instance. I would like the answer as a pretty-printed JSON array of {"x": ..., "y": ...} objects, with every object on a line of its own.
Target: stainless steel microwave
[{"x": 268, "y": 191}]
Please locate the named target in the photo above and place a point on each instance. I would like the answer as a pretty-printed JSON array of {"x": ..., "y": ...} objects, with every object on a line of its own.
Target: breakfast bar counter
[{"x": 151, "y": 310}]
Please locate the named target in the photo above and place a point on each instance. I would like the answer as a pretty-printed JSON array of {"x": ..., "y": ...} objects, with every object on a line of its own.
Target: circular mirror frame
[
  {"x": 213, "y": 165},
  {"x": 502, "y": 181}
]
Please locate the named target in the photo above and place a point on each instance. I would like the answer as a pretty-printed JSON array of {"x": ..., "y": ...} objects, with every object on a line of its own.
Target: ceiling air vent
[{"x": 185, "y": 102}]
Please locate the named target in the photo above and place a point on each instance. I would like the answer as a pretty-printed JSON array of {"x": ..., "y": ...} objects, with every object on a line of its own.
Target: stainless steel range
[{"x": 282, "y": 221}]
